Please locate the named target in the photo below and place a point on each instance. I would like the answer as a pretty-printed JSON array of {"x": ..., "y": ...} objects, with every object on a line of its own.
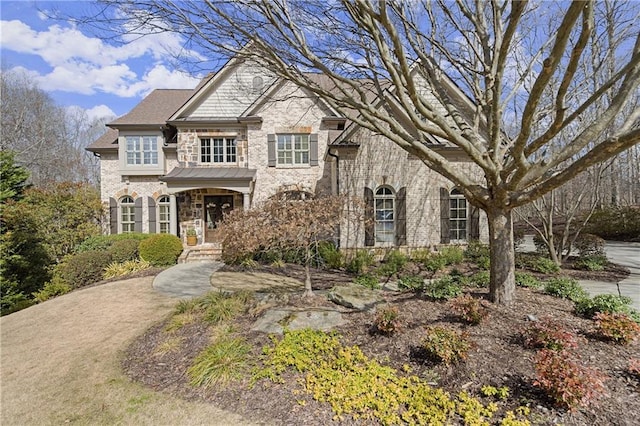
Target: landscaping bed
[{"x": 161, "y": 358}]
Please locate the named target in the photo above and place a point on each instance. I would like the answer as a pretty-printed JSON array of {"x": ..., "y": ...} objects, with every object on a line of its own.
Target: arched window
[
  {"x": 164, "y": 218},
  {"x": 127, "y": 215},
  {"x": 457, "y": 216},
  {"x": 384, "y": 215}
]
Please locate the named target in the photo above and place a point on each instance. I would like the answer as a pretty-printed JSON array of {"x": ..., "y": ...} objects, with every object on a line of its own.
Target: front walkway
[{"x": 186, "y": 280}]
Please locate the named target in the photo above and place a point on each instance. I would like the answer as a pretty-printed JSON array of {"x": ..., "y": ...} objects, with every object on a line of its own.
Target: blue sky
[{"x": 78, "y": 69}]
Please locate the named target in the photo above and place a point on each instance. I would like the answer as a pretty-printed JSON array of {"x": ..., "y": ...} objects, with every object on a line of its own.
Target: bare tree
[
  {"x": 48, "y": 139},
  {"x": 520, "y": 107},
  {"x": 281, "y": 224}
]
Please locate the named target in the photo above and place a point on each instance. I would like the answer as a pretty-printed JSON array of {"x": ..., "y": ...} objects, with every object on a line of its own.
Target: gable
[{"x": 229, "y": 93}]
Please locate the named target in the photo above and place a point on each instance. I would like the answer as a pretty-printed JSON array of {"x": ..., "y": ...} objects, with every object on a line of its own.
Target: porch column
[
  {"x": 173, "y": 215},
  {"x": 245, "y": 201}
]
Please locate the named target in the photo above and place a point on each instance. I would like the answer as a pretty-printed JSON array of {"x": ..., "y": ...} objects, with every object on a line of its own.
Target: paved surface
[
  {"x": 625, "y": 254},
  {"x": 186, "y": 279}
]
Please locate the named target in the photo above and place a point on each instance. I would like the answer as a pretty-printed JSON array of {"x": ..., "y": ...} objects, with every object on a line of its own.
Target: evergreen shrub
[{"x": 161, "y": 249}]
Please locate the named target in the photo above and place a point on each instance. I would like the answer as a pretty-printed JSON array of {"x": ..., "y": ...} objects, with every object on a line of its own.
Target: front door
[{"x": 215, "y": 207}]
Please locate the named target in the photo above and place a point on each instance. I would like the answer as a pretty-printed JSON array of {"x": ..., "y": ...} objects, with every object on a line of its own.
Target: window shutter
[
  {"x": 313, "y": 149},
  {"x": 152, "y": 215},
  {"x": 137, "y": 227},
  {"x": 113, "y": 216},
  {"x": 271, "y": 150},
  {"x": 444, "y": 216},
  {"x": 401, "y": 217},
  {"x": 474, "y": 227},
  {"x": 369, "y": 219}
]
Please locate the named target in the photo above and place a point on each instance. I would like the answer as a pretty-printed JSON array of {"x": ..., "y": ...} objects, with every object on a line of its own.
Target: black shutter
[
  {"x": 369, "y": 219},
  {"x": 137, "y": 227},
  {"x": 113, "y": 216},
  {"x": 401, "y": 217},
  {"x": 474, "y": 226},
  {"x": 444, "y": 216},
  {"x": 271, "y": 150},
  {"x": 152, "y": 215},
  {"x": 313, "y": 149}
]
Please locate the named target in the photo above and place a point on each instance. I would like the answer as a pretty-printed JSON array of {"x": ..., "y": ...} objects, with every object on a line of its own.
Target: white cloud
[
  {"x": 86, "y": 65},
  {"x": 100, "y": 111}
]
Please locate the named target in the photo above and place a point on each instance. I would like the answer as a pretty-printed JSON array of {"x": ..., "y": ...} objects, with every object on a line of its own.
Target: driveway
[{"x": 624, "y": 254}]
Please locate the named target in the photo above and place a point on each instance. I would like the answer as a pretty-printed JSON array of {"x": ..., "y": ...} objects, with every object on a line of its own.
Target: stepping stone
[
  {"x": 355, "y": 297},
  {"x": 274, "y": 321}
]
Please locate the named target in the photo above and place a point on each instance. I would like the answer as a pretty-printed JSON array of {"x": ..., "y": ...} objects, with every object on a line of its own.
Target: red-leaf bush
[
  {"x": 548, "y": 334},
  {"x": 387, "y": 321},
  {"x": 618, "y": 327},
  {"x": 472, "y": 310},
  {"x": 446, "y": 345},
  {"x": 566, "y": 380}
]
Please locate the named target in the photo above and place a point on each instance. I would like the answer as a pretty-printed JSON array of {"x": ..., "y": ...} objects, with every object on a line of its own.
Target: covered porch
[{"x": 204, "y": 195}]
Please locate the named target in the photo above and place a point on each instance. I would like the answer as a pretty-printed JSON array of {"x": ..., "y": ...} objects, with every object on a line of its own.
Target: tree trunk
[
  {"x": 503, "y": 284},
  {"x": 308, "y": 291}
]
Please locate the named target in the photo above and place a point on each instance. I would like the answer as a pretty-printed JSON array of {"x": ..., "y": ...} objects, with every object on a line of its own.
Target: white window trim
[
  {"x": 452, "y": 220},
  {"x": 293, "y": 151},
  {"x": 121, "y": 222},
  {"x": 225, "y": 148},
  {"x": 160, "y": 205},
  {"x": 391, "y": 197}
]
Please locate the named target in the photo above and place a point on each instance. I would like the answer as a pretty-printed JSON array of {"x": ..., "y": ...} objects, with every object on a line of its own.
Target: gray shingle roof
[
  {"x": 155, "y": 109},
  {"x": 107, "y": 141},
  {"x": 199, "y": 173}
]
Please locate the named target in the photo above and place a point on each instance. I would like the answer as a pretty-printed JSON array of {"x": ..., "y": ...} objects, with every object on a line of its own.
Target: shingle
[
  {"x": 156, "y": 108},
  {"x": 109, "y": 140}
]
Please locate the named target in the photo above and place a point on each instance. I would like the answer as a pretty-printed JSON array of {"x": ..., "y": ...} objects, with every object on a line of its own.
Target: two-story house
[{"x": 182, "y": 158}]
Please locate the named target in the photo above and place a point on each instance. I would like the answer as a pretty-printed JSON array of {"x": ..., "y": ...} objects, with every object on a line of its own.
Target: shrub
[
  {"x": 393, "y": 264},
  {"x": 476, "y": 249},
  {"x": 434, "y": 262},
  {"x": 589, "y": 245},
  {"x": 360, "y": 262},
  {"x": 544, "y": 265},
  {"x": 451, "y": 255},
  {"x": 330, "y": 254},
  {"x": 592, "y": 263},
  {"x": 419, "y": 255},
  {"x": 566, "y": 380},
  {"x": 565, "y": 288},
  {"x": 387, "y": 321},
  {"x": 472, "y": 310},
  {"x": 618, "y": 327},
  {"x": 608, "y": 303},
  {"x": 103, "y": 242},
  {"x": 219, "y": 307},
  {"x": 446, "y": 345},
  {"x": 53, "y": 288},
  {"x": 480, "y": 279},
  {"x": 124, "y": 268},
  {"x": 161, "y": 249},
  {"x": 368, "y": 280},
  {"x": 411, "y": 282},
  {"x": 548, "y": 334},
  {"x": 527, "y": 280},
  {"x": 220, "y": 363},
  {"x": 81, "y": 269},
  {"x": 500, "y": 393},
  {"x": 444, "y": 288},
  {"x": 124, "y": 250},
  {"x": 615, "y": 223}
]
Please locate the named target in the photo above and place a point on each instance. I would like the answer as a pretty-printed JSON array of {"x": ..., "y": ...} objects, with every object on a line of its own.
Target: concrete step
[{"x": 201, "y": 253}]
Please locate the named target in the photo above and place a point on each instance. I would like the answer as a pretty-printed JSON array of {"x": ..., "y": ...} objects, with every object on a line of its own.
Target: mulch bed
[{"x": 499, "y": 359}]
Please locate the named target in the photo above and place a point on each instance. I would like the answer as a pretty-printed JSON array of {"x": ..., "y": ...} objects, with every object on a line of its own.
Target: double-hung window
[
  {"x": 384, "y": 214},
  {"x": 293, "y": 149},
  {"x": 163, "y": 214},
  {"x": 127, "y": 215},
  {"x": 218, "y": 150},
  {"x": 142, "y": 150},
  {"x": 457, "y": 216}
]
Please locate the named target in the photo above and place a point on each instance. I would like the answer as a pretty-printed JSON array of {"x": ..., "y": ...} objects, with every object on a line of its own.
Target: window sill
[{"x": 293, "y": 166}]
